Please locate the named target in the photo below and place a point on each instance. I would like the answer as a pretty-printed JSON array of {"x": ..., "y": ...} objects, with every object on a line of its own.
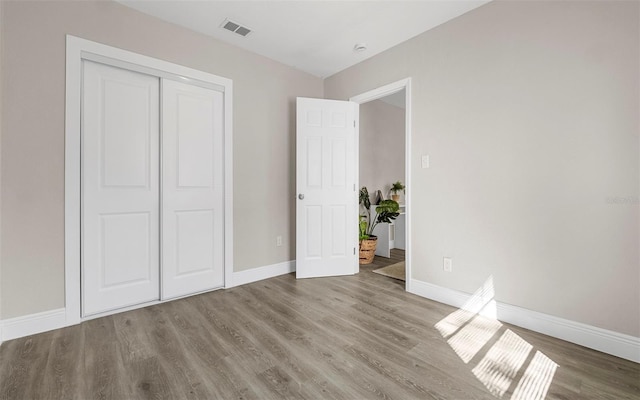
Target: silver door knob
[{"x": 301, "y": 196}]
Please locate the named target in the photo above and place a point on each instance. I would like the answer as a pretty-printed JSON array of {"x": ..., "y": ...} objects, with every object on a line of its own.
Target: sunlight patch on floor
[
  {"x": 471, "y": 329},
  {"x": 502, "y": 362},
  {"x": 472, "y": 337},
  {"x": 536, "y": 379},
  {"x": 480, "y": 303}
]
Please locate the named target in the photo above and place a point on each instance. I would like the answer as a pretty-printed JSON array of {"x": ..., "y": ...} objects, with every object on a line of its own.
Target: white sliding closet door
[
  {"x": 120, "y": 188},
  {"x": 192, "y": 189}
]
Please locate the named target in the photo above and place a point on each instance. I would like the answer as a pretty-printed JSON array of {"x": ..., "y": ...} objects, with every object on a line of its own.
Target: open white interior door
[{"x": 327, "y": 203}]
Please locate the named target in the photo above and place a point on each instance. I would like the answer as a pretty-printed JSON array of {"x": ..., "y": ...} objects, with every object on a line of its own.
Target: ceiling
[{"x": 314, "y": 36}]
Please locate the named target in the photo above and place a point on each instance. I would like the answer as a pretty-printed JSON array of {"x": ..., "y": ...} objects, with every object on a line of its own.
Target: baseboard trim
[
  {"x": 32, "y": 324},
  {"x": 260, "y": 273},
  {"x": 606, "y": 341}
]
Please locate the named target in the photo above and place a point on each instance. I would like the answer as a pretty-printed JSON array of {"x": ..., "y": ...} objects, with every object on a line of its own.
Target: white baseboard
[
  {"x": 260, "y": 273},
  {"x": 14, "y": 328},
  {"x": 610, "y": 342}
]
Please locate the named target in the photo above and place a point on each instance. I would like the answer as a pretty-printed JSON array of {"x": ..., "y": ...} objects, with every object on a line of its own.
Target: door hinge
[
  {"x": 354, "y": 187},
  {"x": 354, "y": 251},
  {"x": 354, "y": 123}
]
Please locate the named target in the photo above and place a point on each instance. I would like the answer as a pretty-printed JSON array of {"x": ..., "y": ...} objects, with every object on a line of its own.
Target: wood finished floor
[
  {"x": 397, "y": 255},
  {"x": 357, "y": 337}
]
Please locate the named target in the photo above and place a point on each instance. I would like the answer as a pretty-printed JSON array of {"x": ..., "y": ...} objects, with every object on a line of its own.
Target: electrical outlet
[
  {"x": 447, "y": 264},
  {"x": 278, "y": 240}
]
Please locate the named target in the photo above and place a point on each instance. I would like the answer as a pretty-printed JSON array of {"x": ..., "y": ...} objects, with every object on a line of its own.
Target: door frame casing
[
  {"x": 77, "y": 50},
  {"x": 376, "y": 94}
]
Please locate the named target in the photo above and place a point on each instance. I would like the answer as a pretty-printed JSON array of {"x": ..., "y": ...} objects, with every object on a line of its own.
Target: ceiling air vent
[{"x": 235, "y": 27}]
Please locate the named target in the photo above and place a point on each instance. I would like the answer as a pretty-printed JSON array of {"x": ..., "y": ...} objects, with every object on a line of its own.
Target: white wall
[
  {"x": 529, "y": 112},
  {"x": 381, "y": 146},
  {"x": 32, "y": 125},
  {"x": 1, "y": 80}
]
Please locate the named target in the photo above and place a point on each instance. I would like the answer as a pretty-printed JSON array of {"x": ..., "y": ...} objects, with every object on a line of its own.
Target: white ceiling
[{"x": 314, "y": 36}]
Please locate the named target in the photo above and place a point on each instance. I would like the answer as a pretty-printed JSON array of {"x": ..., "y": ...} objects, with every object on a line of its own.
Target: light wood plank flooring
[
  {"x": 397, "y": 255},
  {"x": 357, "y": 337}
]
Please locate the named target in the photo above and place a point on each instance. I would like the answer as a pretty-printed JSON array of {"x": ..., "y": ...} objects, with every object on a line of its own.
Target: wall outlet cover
[{"x": 447, "y": 264}]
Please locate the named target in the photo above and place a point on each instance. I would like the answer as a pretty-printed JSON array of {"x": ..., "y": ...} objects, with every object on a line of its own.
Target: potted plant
[
  {"x": 395, "y": 188},
  {"x": 386, "y": 211}
]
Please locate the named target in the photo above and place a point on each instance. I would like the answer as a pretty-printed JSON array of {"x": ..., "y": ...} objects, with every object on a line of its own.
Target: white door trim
[
  {"x": 377, "y": 94},
  {"x": 77, "y": 49}
]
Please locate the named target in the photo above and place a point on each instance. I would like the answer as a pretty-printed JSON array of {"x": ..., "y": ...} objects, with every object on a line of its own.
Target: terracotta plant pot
[
  {"x": 368, "y": 250},
  {"x": 395, "y": 197}
]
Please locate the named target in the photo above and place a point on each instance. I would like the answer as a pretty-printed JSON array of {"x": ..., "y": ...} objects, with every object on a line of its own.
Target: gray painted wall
[
  {"x": 529, "y": 112},
  {"x": 1, "y": 118},
  {"x": 32, "y": 169},
  {"x": 381, "y": 146}
]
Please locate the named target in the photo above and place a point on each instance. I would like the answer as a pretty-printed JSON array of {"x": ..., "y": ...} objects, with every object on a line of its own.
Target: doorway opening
[{"x": 384, "y": 159}]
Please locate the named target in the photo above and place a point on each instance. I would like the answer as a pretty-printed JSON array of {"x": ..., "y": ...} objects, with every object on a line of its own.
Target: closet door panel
[
  {"x": 192, "y": 187},
  {"x": 120, "y": 188}
]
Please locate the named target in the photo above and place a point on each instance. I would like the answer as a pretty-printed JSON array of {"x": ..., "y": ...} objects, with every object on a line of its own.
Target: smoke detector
[
  {"x": 360, "y": 47},
  {"x": 235, "y": 27}
]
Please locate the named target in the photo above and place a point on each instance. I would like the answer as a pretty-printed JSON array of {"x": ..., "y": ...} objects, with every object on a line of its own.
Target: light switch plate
[{"x": 425, "y": 161}]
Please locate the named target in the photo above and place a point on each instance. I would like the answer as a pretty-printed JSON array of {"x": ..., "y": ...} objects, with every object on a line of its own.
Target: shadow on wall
[{"x": 500, "y": 359}]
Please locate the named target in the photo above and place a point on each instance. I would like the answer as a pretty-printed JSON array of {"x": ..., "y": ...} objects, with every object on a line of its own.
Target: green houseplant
[
  {"x": 386, "y": 211},
  {"x": 396, "y": 187}
]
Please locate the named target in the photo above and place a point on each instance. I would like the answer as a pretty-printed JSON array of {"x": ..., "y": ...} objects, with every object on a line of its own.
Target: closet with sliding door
[{"x": 152, "y": 187}]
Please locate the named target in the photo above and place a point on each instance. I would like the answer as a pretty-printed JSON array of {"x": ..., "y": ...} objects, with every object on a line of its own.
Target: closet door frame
[{"x": 81, "y": 49}]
